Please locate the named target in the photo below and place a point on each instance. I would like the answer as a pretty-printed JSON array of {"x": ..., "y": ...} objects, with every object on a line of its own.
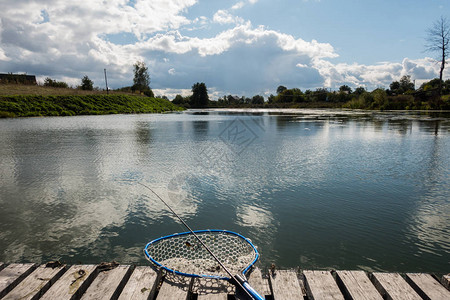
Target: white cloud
[
  {"x": 66, "y": 40},
  {"x": 238, "y": 5},
  {"x": 241, "y": 4},
  {"x": 381, "y": 74},
  {"x": 224, "y": 17}
]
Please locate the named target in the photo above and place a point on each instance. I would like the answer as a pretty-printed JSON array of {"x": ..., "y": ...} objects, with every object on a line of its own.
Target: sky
[{"x": 237, "y": 47}]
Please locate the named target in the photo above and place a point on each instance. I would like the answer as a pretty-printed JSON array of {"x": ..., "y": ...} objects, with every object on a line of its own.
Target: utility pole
[{"x": 106, "y": 81}]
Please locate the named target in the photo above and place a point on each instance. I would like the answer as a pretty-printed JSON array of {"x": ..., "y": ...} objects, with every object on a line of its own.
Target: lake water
[{"x": 310, "y": 188}]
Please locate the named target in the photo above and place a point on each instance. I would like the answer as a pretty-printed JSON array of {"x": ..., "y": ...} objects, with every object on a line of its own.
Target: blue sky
[{"x": 239, "y": 47}]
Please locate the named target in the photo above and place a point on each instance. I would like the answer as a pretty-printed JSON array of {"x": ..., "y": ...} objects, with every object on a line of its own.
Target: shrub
[{"x": 53, "y": 83}]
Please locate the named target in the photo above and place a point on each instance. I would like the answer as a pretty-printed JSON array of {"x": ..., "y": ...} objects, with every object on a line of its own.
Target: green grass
[
  {"x": 88, "y": 104},
  {"x": 23, "y": 89}
]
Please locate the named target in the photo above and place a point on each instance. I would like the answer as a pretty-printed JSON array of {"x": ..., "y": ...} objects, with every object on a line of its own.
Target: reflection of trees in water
[
  {"x": 401, "y": 126},
  {"x": 143, "y": 133},
  {"x": 200, "y": 128}
]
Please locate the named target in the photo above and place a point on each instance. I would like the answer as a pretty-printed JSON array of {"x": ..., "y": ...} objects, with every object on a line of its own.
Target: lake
[{"x": 311, "y": 188}]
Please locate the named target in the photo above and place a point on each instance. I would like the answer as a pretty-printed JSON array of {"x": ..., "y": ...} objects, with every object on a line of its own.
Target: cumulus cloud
[
  {"x": 66, "y": 40},
  {"x": 381, "y": 74},
  {"x": 224, "y": 17}
]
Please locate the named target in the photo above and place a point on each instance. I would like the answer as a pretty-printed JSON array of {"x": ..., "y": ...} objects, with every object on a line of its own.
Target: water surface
[{"x": 310, "y": 188}]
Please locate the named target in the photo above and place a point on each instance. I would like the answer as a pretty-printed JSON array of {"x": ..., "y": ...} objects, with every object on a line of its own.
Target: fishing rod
[{"x": 240, "y": 282}]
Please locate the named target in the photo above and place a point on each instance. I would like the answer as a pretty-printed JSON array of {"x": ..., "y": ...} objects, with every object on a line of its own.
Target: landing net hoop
[{"x": 182, "y": 254}]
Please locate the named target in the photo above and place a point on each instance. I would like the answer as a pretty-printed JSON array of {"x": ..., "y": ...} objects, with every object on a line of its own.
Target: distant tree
[
  {"x": 438, "y": 41},
  {"x": 320, "y": 94},
  {"x": 379, "y": 99},
  {"x": 406, "y": 84},
  {"x": 281, "y": 89},
  {"x": 178, "y": 100},
  {"x": 394, "y": 87},
  {"x": 257, "y": 99},
  {"x": 401, "y": 87},
  {"x": 149, "y": 93},
  {"x": 53, "y": 83},
  {"x": 359, "y": 90},
  {"x": 87, "y": 84},
  {"x": 141, "y": 81},
  {"x": 199, "y": 96},
  {"x": 434, "y": 84},
  {"x": 345, "y": 89}
]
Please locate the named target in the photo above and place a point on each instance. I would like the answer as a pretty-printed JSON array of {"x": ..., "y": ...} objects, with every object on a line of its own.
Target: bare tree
[{"x": 438, "y": 41}]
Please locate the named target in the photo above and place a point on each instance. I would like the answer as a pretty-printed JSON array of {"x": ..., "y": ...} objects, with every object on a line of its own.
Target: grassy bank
[
  {"x": 23, "y": 89},
  {"x": 71, "y": 105}
]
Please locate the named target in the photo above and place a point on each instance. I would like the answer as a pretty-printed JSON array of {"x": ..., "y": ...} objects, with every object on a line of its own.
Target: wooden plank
[
  {"x": 212, "y": 289},
  {"x": 321, "y": 285},
  {"x": 392, "y": 287},
  {"x": 11, "y": 275},
  {"x": 74, "y": 281},
  {"x": 174, "y": 287},
  {"x": 427, "y": 287},
  {"x": 446, "y": 281},
  {"x": 356, "y": 285},
  {"x": 37, "y": 283},
  {"x": 141, "y": 285},
  {"x": 108, "y": 283},
  {"x": 260, "y": 284},
  {"x": 285, "y": 285}
]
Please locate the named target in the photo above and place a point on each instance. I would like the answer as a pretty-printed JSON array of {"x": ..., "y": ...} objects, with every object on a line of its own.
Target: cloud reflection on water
[{"x": 64, "y": 194}]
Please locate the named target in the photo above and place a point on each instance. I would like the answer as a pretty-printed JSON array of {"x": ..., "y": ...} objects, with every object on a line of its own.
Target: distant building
[{"x": 18, "y": 78}]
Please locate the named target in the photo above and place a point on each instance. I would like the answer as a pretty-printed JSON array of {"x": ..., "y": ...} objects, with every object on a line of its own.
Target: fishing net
[{"x": 183, "y": 253}]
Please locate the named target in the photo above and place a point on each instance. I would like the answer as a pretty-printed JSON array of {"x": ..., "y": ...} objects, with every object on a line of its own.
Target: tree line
[{"x": 401, "y": 94}]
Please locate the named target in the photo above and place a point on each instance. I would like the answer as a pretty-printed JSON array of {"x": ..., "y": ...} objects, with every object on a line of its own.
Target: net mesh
[{"x": 185, "y": 254}]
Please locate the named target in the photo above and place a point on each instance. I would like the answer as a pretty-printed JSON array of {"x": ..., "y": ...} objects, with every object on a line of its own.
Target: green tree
[
  {"x": 87, "y": 84},
  {"x": 141, "y": 81},
  {"x": 406, "y": 84},
  {"x": 53, "y": 83},
  {"x": 359, "y": 90},
  {"x": 403, "y": 86},
  {"x": 281, "y": 89},
  {"x": 178, "y": 100},
  {"x": 258, "y": 99},
  {"x": 379, "y": 99},
  {"x": 434, "y": 84},
  {"x": 438, "y": 41},
  {"x": 199, "y": 96},
  {"x": 345, "y": 89}
]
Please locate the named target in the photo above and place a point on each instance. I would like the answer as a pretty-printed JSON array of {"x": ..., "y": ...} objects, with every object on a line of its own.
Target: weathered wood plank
[
  {"x": 174, "y": 287},
  {"x": 11, "y": 275},
  {"x": 216, "y": 289},
  {"x": 446, "y": 281},
  {"x": 37, "y": 283},
  {"x": 321, "y": 285},
  {"x": 260, "y": 284},
  {"x": 285, "y": 285},
  {"x": 392, "y": 286},
  {"x": 427, "y": 287},
  {"x": 107, "y": 283},
  {"x": 356, "y": 285},
  {"x": 141, "y": 285},
  {"x": 74, "y": 281}
]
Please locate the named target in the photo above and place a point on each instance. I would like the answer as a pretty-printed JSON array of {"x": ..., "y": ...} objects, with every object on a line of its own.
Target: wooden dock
[{"x": 114, "y": 281}]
